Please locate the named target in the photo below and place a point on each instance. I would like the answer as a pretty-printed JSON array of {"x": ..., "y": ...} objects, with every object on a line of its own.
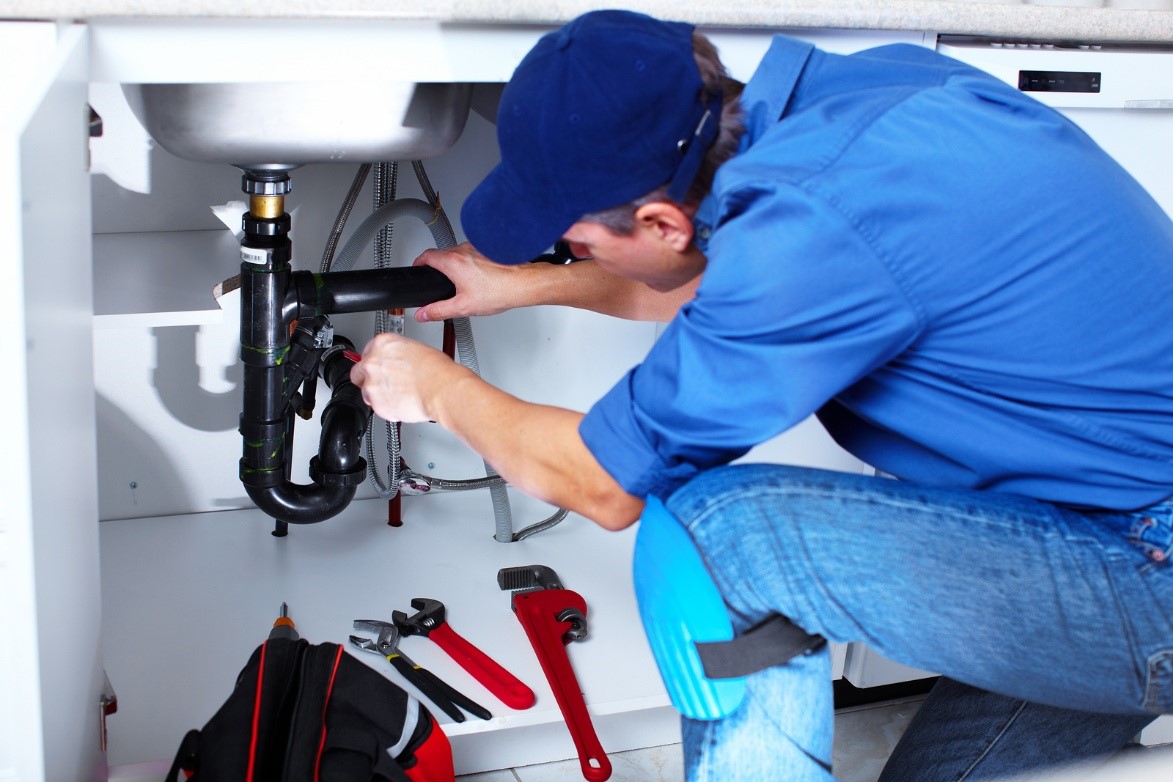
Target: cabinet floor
[{"x": 864, "y": 736}]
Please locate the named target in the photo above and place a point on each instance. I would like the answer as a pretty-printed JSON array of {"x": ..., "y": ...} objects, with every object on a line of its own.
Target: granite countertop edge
[{"x": 1011, "y": 20}]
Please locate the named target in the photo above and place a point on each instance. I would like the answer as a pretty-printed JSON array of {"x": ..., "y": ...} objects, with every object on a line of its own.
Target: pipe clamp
[{"x": 336, "y": 479}]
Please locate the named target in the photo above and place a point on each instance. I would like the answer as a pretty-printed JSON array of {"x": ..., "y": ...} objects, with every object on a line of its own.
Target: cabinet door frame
[{"x": 50, "y": 607}]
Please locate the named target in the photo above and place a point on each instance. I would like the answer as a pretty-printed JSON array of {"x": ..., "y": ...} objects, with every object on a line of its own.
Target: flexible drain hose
[
  {"x": 366, "y": 231},
  {"x": 502, "y": 512}
]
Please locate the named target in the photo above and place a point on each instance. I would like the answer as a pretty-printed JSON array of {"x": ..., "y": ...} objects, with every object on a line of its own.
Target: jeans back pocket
[{"x": 1152, "y": 531}]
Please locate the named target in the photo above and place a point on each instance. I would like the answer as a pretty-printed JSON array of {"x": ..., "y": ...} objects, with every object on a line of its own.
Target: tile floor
[{"x": 864, "y": 736}]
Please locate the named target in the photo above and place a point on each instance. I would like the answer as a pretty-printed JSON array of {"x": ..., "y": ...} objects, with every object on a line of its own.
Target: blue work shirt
[{"x": 954, "y": 277}]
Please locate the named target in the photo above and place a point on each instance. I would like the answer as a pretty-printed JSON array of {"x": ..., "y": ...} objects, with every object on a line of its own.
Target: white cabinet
[{"x": 50, "y": 612}]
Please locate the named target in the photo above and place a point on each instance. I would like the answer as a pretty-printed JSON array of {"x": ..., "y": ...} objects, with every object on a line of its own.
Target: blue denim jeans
[{"x": 1052, "y": 628}]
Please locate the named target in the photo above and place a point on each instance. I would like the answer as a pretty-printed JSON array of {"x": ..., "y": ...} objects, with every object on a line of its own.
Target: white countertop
[{"x": 1146, "y": 21}]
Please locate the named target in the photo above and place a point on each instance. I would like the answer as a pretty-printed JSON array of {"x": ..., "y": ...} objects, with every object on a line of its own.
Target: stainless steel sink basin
[{"x": 274, "y": 125}]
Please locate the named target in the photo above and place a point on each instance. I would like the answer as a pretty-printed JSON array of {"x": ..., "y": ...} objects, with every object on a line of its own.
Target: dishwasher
[{"x": 1120, "y": 94}]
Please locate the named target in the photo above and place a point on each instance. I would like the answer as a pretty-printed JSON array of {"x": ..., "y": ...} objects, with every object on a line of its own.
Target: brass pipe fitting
[{"x": 266, "y": 207}]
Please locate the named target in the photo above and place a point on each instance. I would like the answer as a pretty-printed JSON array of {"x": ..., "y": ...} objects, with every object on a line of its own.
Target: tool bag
[{"x": 311, "y": 713}]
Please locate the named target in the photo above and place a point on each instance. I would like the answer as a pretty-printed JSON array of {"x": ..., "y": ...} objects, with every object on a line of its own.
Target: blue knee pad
[{"x": 688, "y": 627}]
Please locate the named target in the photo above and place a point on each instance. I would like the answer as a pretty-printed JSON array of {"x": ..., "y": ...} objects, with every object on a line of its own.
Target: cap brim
[{"x": 509, "y": 223}]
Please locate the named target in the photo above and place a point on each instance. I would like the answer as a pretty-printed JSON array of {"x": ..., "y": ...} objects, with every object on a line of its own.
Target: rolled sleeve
[{"x": 623, "y": 445}]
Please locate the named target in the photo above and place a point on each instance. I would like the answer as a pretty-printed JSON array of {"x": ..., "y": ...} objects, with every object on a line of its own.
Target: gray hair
[{"x": 621, "y": 219}]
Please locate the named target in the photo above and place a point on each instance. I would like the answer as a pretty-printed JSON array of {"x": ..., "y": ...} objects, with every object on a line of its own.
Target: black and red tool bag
[{"x": 302, "y": 712}]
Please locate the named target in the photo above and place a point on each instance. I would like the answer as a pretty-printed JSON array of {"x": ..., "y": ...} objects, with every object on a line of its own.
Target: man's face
[{"x": 644, "y": 255}]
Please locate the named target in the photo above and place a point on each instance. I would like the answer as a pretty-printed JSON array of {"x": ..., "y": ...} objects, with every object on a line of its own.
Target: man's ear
[{"x": 668, "y": 222}]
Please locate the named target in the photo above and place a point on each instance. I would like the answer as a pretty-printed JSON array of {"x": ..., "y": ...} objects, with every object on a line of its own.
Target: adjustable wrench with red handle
[
  {"x": 429, "y": 621},
  {"x": 551, "y": 618},
  {"x": 508, "y": 688}
]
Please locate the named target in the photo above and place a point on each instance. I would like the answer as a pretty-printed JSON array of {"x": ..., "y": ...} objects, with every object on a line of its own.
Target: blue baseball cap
[{"x": 600, "y": 112}]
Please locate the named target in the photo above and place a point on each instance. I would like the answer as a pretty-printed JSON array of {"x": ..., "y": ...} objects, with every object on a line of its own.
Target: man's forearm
[
  {"x": 535, "y": 447},
  {"x": 587, "y": 286},
  {"x": 486, "y": 288}
]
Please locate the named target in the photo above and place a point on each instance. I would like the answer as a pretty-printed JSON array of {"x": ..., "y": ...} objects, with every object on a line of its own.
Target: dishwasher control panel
[{"x": 1059, "y": 81}]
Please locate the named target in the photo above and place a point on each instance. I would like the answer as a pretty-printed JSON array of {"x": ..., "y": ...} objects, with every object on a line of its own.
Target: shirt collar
[
  {"x": 764, "y": 99},
  {"x": 775, "y": 81}
]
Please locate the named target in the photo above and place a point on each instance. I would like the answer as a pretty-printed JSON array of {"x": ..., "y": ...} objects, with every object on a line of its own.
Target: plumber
[{"x": 971, "y": 296}]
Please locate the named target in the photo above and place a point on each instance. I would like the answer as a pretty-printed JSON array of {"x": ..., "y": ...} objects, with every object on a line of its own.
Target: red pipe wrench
[
  {"x": 553, "y": 617},
  {"x": 429, "y": 622}
]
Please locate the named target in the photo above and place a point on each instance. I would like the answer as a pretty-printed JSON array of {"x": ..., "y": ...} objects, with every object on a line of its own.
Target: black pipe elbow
[
  {"x": 295, "y": 503},
  {"x": 338, "y": 469},
  {"x": 344, "y": 422}
]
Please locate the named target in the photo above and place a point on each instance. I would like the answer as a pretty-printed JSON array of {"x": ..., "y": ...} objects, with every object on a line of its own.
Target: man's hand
[
  {"x": 482, "y": 287},
  {"x": 487, "y": 288},
  {"x": 537, "y": 448},
  {"x": 398, "y": 377}
]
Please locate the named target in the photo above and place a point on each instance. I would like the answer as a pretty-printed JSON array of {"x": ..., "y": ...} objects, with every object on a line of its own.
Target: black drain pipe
[{"x": 276, "y": 359}]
